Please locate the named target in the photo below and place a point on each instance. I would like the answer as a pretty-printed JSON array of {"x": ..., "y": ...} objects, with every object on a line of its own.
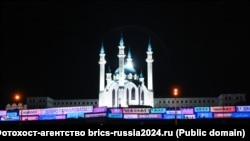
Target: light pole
[
  {"x": 175, "y": 92},
  {"x": 17, "y": 99}
]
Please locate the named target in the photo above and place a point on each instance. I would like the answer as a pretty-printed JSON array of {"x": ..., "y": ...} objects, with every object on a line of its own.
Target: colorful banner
[
  {"x": 115, "y": 110},
  {"x": 28, "y": 118},
  {"x": 30, "y": 112},
  {"x": 47, "y": 117},
  {"x": 201, "y": 109},
  {"x": 173, "y": 112},
  {"x": 111, "y": 115},
  {"x": 130, "y": 116},
  {"x": 242, "y": 108},
  {"x": 75, "y": 115},
  {"x": 204, "y": 115},
  {"x": 149, "y": 116},
  {"x": 187, "y": 110},
  {"x": 222, "y": 115},
  {"x": 12, "y": 113},
  {"x": 94, "y": 115},
  {"x": 66, "y": 110},
  {"x": 12, "y": 118},
  {"x": 192, "y": 116},
  {"x": 100, "y": 109},
  {"x": 58, "y": 117},
  {"x": 241, "y": 115},
  {"x": 3, "y": 113},
  {"x": 136, "y": 110},
  {"x": 222, "y": 109},
  {"x": 172, "y": 116},
  {"x": 158, "y": 110}
]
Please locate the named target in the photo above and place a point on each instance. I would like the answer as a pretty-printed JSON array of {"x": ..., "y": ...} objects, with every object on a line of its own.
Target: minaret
[
  {"x": 121, "y": 55},
  {"x": 150, "y": 61},
  {"x": 102, "y": 63},
  {"x": 108, "y": 75},
  {"x": 141, "y": 78},
  {"x": 129, "y": 59}
]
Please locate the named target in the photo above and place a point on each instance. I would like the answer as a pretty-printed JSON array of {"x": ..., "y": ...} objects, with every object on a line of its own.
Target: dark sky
[{"x": 52, "y": 48}]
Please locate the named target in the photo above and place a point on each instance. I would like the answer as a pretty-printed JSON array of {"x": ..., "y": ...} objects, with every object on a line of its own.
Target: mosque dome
[{"x": 127, "y": 70}]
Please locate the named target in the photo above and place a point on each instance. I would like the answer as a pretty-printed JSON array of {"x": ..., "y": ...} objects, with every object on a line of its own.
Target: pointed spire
[
  {"x": 129, "y": 52},
  {"x": 121, "y": 40},
  {"x": 102, "y": 48},
  {"x": 149, "y": 45}
]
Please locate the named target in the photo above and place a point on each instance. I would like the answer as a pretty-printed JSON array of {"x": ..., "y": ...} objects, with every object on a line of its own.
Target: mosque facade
[{"x": 125, "y": 86}]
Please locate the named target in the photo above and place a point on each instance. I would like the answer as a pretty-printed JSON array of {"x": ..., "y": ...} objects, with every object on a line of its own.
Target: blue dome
[{"x": 127, "y": 70}]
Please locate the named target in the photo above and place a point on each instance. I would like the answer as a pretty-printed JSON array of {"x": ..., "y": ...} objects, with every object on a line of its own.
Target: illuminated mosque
[{"x": 125, "y": 86}]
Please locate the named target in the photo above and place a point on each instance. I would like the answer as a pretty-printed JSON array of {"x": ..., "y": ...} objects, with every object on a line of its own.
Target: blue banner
[
  {"x": 241, "y": 115},
  {"x": 201, "y": 109},
  {"x": 204, "y": 115},
  {"x": 172, "y": 116},
  {"x": 47, "y": 117},
  {"x": 158, "y": 110},
  {"x": 242, "y": 108},
  {"x": 75, "y": 115},
  {"x": 110, "y": 115}
]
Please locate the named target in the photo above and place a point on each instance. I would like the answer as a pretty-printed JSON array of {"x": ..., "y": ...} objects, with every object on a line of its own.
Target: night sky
[{"x": 52, "y": 48}]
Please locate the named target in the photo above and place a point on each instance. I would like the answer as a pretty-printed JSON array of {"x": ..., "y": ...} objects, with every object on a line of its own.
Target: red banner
[{"x": 222, "y": 109}]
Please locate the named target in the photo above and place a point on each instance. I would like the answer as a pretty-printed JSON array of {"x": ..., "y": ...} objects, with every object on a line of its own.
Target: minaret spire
[
  {"x": 129, "y": 52},
  {"x": 102, "y": 48},
  {"x": 129, "y": 59},
  {"x": 121, "y": 55},
  {"x": 102, "y": 63},
  {"x": 149, "y": 45},
  {"x": 150, "y": 61},
  {"x": 121, "y": 40}
]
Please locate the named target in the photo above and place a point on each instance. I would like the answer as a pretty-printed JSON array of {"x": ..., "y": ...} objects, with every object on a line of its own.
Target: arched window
[
  {"x": 127, "y": 97},
  {"x": 113, "y": 97},
  {"x": 133, "y": 94},
  {"x": 142, "y": 97}
]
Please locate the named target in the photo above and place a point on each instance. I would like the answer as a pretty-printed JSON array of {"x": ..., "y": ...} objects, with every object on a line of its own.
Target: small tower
[
  {"x": 150, "y": 61},
  {"x": 121, "y": 55},
  {"x": 141, "y": 78},
  {"x": 109, "y": 75},
  {"x": 102, "y": 63},
  {"x": 129, "y": 64}
]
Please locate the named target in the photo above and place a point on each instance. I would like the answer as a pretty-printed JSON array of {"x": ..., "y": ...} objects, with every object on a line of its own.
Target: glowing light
[
  {"x": 175, "y": 92},
  {"x": 17, "y": 97},
  {"x": 129, "y": 65}
]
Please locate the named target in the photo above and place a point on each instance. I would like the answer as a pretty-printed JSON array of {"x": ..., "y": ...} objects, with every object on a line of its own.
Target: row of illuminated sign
[
  {"x": 201, "y": 115},
  {"x": 214, "y": 109},
  {"x": 82, "y": 111},
  {"x": 91, "y": 109},
  {"x": 205, "y": 115},
  {"x": 63, "y": 110},
  {"x": 16, "y": 117}
]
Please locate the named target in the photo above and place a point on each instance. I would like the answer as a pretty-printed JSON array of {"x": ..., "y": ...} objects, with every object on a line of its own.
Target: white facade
[
  {"x": 125, "y": 87},
  {"x": 221, "y": 100}
]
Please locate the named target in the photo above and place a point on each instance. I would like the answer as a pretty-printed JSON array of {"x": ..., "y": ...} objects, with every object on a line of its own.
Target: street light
[
  {"x": 175, "y": 92},
  {"x": 17, "y": 99}
]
